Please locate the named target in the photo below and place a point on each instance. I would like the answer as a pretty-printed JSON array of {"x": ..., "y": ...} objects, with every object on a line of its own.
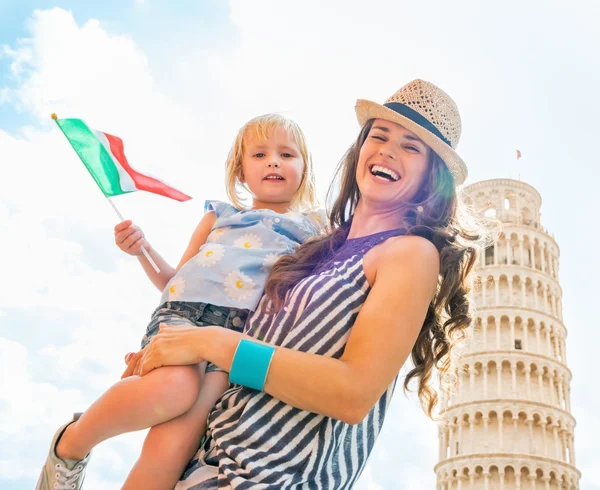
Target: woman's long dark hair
[{"x": 435, "y": 214}]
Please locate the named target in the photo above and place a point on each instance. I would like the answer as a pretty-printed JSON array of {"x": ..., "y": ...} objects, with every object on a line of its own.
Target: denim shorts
[{"x": 190, "y": 314}]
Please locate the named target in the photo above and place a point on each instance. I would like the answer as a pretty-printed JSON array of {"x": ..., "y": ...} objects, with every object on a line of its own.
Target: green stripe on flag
[{"x": 94, "y": 155}]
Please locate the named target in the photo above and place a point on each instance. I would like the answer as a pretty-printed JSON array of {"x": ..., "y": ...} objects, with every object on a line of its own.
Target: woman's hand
[
  {"x": 172, "y": 346},
  {"x": 131, "y": 359},
  {"x": 130, "y": 238}
]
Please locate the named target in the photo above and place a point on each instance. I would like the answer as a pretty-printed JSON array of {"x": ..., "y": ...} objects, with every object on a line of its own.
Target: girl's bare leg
[
  {"x": 133, "y": 403},
  {"x": 169, "y": 446}
]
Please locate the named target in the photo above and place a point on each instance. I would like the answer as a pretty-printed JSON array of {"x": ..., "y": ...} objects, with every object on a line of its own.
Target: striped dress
[{"x": 255, "y": 441}]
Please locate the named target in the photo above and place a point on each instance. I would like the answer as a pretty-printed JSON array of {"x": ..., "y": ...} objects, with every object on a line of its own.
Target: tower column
[
  {"x": 472, "y": 372},
  {"x": 543, "y": 257},
  {"x": 485, "y": 433},
  {"x": 484, "y": 327},
  {"x": 496, "y": 252},
  {"x": 561, "y": 392},
  {"x": 528, "y": 381},
  {"x": 500, "y": 434},
  {"x": 499, "y": 379},
  {"x": 521, "y": 252},
  {"x": 485, "y": 382},
  {"x": 497, "y": 333},
  {"x": 553, "y": 390},
  {"x": 544, "y": 450},
  {"x": 511, "y": 322},
  {"x": 530, "y": 427},
  {"x": 484, "y": 290},
  {"x": 546, "y": 480},
  {"x": 560, "y": 314},
  {"x": 513, "y": 372},
  {"x": 471, "y": 435},
  {"x": 563, "y": 441},
  {"x": 556, "y": 441},
  {"x": 497, "y": 291}
]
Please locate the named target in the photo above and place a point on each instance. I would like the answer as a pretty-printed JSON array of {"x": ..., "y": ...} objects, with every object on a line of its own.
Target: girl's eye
[
  {"x": 259, "y": 155},
  {"x": 380, "y": 138},
  {"x": 412, "y": 148},
  {"x": 286, "y": 155}
]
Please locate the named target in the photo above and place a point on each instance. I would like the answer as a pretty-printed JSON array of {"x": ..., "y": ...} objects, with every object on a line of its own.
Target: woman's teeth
[{"x": 384, "y": 173}]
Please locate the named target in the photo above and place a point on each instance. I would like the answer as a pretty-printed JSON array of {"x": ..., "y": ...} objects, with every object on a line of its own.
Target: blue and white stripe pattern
[{"x": 257, "y": 442}]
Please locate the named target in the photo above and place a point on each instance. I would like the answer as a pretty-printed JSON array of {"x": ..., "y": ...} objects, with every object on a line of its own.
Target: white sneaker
[{"x": 60, "y": 474}]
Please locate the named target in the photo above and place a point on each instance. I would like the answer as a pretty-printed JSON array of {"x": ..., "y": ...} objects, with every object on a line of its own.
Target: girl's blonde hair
[{"x": 260, "y": 127}]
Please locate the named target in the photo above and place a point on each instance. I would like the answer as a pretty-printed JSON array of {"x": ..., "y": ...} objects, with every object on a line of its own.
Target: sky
[{"x": 176, "y": 81}]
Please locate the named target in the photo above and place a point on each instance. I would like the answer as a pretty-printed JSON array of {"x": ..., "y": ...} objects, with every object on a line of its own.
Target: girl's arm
[
  {"x": 130, "y": 239},
  {"x": 198, "y": 238},
  {"x": 379, "y": 343}
]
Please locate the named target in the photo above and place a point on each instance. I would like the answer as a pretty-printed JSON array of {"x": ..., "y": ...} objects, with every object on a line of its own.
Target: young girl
[{"x": 219, "y": 279}]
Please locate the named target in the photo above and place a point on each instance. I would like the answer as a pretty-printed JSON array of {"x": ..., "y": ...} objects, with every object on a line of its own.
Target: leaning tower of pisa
[{"x": 508, "y": 424}]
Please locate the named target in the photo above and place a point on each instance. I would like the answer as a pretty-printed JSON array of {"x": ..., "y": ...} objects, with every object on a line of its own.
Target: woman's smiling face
[{"x": 392, "y": 165}]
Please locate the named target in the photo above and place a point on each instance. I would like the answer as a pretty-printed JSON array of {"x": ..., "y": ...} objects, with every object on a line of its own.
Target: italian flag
[{"x": 104, "y": 157}]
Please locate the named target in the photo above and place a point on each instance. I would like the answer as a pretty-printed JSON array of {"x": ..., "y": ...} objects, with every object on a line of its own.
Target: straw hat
[{"x": 427, "y": 111}]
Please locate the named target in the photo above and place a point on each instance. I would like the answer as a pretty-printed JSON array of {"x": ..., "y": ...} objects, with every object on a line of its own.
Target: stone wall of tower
[{"x": 508, "y": 423}]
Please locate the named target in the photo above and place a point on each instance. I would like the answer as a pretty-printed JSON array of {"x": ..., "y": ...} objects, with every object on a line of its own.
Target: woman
[{"x": 341, "y": 315}]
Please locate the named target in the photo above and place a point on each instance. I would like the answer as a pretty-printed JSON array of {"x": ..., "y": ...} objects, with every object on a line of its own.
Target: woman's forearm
[{"x": 319, "y": 384}]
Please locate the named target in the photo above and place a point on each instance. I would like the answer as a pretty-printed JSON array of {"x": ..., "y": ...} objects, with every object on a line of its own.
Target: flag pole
[{"x": 144, "y": 251}]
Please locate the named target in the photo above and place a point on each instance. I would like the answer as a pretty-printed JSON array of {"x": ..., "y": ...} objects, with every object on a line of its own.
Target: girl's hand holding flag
[{"x": 130, "y": 238}]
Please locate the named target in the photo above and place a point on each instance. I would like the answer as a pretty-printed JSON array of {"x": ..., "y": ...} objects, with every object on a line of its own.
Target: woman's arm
[{"x": 379, "y": 343}]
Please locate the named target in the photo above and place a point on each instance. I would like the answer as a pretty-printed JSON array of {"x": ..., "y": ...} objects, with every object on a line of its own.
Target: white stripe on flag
[{"x": 125, "y": 180}]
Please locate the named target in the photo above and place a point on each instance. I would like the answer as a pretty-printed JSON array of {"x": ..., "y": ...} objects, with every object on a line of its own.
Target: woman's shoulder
[
  {"x": 402, "y": 255},
  {"x": 402, "y": 248}
]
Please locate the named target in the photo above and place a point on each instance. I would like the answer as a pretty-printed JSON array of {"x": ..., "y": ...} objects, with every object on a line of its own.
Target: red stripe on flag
[{"x": 142, "y": 182}]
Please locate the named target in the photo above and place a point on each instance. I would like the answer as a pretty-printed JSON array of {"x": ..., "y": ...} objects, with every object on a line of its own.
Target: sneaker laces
[{"x": 66, "y": 480}]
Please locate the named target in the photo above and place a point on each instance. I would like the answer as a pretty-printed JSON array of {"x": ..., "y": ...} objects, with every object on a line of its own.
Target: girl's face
[
  {"x": 392, "y": 165},
  {"x": 272, "y": 169}
]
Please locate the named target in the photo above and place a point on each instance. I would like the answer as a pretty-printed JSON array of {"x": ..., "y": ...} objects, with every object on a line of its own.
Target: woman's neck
[{"x": 368, "y": 220}]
